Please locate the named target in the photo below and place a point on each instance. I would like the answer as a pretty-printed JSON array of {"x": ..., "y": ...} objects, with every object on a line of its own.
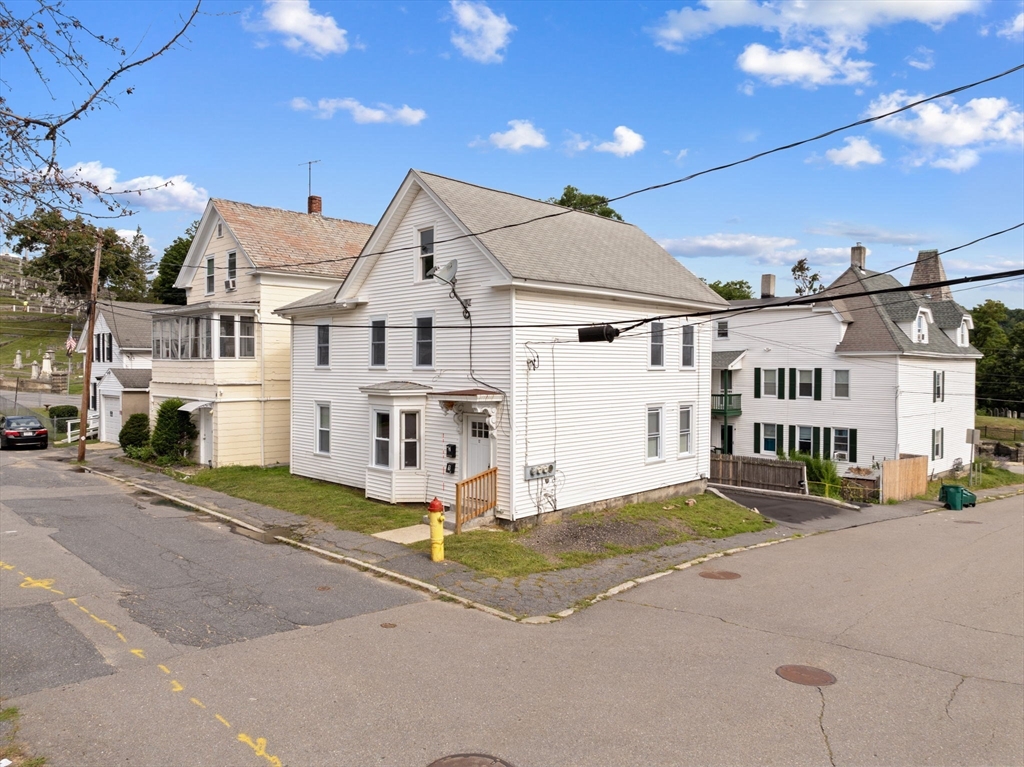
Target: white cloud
[
  {"x": 857, "y": 150},
  {"x": 380, "y": 113},
  {"x": 722, "y": 245},
  {"x": 575, "y": 143},
  {"x": 521, "y": 135},
  {"x": 153, "y": 192},
  {"x": 1014, "y": 28},
  {"x": 815, "y": 256},
  {"x": 304, "y": 30},
  {"x": 922, "y": 58},
  {"x": 947, "y": 134},
  {"x": 627, "y": 142},
  {"x": 129, "y": 234},
  {"x": 860, "y": 233},
  {"x": 805, "y": 66},
  {"x": 484, "y": 34},
  {"x": 746, "y": 88}
]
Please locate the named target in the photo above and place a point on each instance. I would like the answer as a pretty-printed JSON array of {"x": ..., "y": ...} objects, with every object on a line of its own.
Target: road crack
[
  {"x": 953, "y": 695},
  {"x": 821, "y": 725}
]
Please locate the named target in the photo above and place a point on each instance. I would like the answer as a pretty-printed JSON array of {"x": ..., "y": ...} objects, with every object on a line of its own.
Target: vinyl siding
[
  {"x": 121, "y": 360},
  {"x": 248, "y": 287},
  {"x": 919, "y": 414}
]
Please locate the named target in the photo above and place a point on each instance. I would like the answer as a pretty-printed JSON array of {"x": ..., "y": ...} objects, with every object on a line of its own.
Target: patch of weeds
[{"x": 10, "y": 747}]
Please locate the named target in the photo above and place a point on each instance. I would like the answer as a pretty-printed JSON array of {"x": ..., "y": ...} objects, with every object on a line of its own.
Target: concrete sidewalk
[{"x": 535, "y": 595}]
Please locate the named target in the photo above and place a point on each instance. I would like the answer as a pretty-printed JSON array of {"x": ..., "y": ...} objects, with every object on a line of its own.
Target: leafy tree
[
  {"x": 174, "y": 432},
  {"x": 806, "y": 281},
  {"x": 592, "y": 203},
  {"x": 134, "y": 286},
  {"x": 733, "y": 290},
  {"x": 989, "y": 334},
  {"x": 999, "y": 334},
  {"x": 53, "y": 43},
  {"x": 64, "y": 252},
  {"x": 163, "y": 289}
]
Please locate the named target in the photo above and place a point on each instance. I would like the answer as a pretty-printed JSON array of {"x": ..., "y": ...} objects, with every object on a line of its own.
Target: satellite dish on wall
[{"x": 447, "y": 272}]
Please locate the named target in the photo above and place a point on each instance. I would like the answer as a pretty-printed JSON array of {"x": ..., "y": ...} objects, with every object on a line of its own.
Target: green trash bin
[
  {"x": 970, "y": 499},
  {"x": 952, "y": 496}
]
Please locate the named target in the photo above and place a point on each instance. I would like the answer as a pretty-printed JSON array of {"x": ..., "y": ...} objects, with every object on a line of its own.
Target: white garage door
[{"x": 110, "y": 418}]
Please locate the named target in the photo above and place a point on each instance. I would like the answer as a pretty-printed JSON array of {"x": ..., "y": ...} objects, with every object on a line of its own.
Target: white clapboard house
[
  {"x": 407, "y": 386},
  {"x": 858, "y": 380}
]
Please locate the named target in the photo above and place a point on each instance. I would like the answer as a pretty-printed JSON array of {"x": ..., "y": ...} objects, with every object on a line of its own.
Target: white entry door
[
  {"x": 478, "y": 445},
  {"x": 110, "y": 418},
  {"x": 205, "y": 436}
]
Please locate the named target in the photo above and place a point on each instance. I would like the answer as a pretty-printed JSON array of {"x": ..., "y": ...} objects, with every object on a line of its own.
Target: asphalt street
[{"x": 920, "y": 619}]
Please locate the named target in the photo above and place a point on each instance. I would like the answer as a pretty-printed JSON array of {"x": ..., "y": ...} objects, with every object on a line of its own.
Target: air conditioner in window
[
  {"x": 229, "y": 284},
  {"x": 841, "y": 456}
]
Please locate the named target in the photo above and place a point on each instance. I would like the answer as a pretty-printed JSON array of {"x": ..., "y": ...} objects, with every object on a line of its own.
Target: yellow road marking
[
  {"x": 39, "y": 583},
  {"x": 222, "y": 720},
  {"x": 121, "y": 637},
  {"x": 139, "y": 652},
  {"x": 260, "y": 747},
  {"x": 197, "y": 702},
  {"x": 73, "y": 600},
  {"x": 176, "y": 686},
  {"x": 5, "y": 566},
  {"x": 164, "y": 668},
  {"x": 84, "y": 610}
]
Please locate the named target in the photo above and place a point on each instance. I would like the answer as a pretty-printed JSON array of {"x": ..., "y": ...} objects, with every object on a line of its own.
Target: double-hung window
[
  {"x": 227, "y": 335},
  {"x": 323, "y": 346},
  {"x": 382, "y": 438},
  {"x": 920, "y": 329},
  {"x": 378, "y": 343},
  {"x": 323, "y": 429},
  {"x": 805, "y": 383},
  {"x": 103, "y": 349},
  {"x": 723, "y": 328},
  {"x": 246, "y": 336},
  {"x": 424, "y": 342},
  {"x": 653, "y": 433},
  {"x": 687, "y": 359},
  {"x": 768, "y": 430},
  {"x": 232, "y": 269},
  {"x": 657, "y": 344},
  {"x": 770, "y": 381},
  {"x": 92, "y": 396},
  {"x": 426, "y": 252},
  {"x": 803, "y": 444},
  {"x": 841, "y": 444},
  {"x": 410, "y": 439},
  {"x": 685, "y": 429},
  {"x": 937, "y": 443},
  {"x": 842, "y": 384},
  {"x": 210, "y": 276},
  {"x": 939, "y": 386}
]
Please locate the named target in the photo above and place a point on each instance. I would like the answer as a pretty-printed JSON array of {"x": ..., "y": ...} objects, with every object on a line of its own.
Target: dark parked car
[{"x": 22, "y": 430}]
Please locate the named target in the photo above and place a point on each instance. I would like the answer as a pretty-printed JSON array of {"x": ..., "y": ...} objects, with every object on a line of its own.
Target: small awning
[
  {"x": 727, "y": 360},
  {"x": 200, "y": 404},
  {"x": 467, "y": 395}
]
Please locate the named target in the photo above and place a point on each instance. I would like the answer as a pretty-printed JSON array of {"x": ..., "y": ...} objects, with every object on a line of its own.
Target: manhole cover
[
  {"x": 967, "y": 521},
  {"x": 388, "y": 625},
  {"x": 323, "y": 588},
  {"x": 719, "y": 575},
  {"x": 809, "y": 675},
  {"x": 470, "y": 760}
]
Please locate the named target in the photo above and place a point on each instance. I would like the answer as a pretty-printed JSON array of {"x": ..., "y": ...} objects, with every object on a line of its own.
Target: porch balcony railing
[
  {"x": 726, "y": 404},
  {"x": 475, "y": 496}
]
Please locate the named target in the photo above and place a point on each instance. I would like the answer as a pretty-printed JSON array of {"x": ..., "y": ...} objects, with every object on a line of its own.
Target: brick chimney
[
  {"x": 314, "y": 205},
  {"x": 858, "y": 256},
  {"x": 767, "y": 286}
]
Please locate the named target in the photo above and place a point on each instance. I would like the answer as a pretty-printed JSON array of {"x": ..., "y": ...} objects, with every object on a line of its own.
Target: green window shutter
[
  {"x": 935, "y": 383},
  {"x": 779, "y": 447},
  {"x": 826, "y": 444},
  {"x": 757, "y": 437},
  {"x": 792, "y": 383},
  {"x": 780, "y": 385},
  {"x": 792, "y": 439},
  {"x": 817, "y": 383},
  {"x": 853, "y": 446},
  {"x": 816, "y": 442},
  {"x": 943, "y": 374},
  {"x": 757, "y": 383}
]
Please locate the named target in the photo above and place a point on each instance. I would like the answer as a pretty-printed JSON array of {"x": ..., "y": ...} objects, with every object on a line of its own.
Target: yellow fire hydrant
[{"x": 435, "y": 512}]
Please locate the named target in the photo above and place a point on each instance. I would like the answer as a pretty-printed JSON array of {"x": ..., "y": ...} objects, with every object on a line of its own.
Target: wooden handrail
[{"x": 475, "y": 496}]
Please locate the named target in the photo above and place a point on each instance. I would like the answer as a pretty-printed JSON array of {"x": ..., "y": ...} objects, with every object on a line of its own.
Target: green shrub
[
  {"x": 135, "y": 432},
  {"x": 822, "y": 475},
  {"x": 174, "y": 432},
  {"x": 60, "y": 415},
  {"x": 140, "y": 453}
]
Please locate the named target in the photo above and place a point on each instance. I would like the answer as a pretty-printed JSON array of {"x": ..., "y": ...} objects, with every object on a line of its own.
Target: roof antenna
[
  {"x": 310, "y": 164},
  {"x": 314, "y": 205}
]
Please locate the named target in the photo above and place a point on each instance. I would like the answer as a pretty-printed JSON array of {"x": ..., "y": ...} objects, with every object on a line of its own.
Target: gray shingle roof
[
  {"x": 395, "y": 386},
  {"x": 130, "y": 323},
  {"x": 722, "y": 360},
  {"x": 133, "y": 379}
]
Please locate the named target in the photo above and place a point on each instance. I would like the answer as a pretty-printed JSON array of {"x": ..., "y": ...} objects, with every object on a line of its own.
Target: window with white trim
[
  {"x": 227, "y": 336},
  {"x": 803, "y": 443},
  {"x": 103, "y": 347},
  {"x": 210, "y": 276},
  {"x": 382, "y": 438},
  {"x": 323, "y": 429},
  {"x": 323, "y": 346},
  {"x": 841, "y": 390},
  {"x": 805, "y": 383},
  {"x": 841, "y": 443},
  {"x": 938, "y": 438},
  {"x": 921, "y": 329},
  {"x": 92, "y": 396},
  {"x": 688, "y": 356},
  {"x": 768, "y": 437},
  {"x": 220, "y": 230},
  {"x": 232, "y": 265},
  {"x": 410, "y": 439},
  {"x": 938, "y": 386},
  {"x": 769, "y": 381},
  {"x": 723, "y": 328},
  {"x": 246, "y": 336},
  {"x": 378, "y": 343},
  {"x": 426, "y": 252},
  {"x": 654, "y": 432},
  {"x": 424, "y": 342},
  {"x": 657, "y": 358},
  {"x": 962, "y": 336},
  {"x": 685, "y": 429}
]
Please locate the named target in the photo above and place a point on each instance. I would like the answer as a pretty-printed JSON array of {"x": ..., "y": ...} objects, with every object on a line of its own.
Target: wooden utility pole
[{"x": 83, "y": 424}]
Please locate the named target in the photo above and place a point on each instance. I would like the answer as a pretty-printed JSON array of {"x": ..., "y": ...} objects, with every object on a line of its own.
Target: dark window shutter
[
  {"x": 935, "y": 388},
  {"x": 792, "y": 439},
  {"x": 826, "y": 444},
  {"x": 757, "y": 383},
  {"x": 792, "y": 383},
  {"x": 779, "y": 447},
  {"x": 780, "y": 386},
  {"x": 933, "y": 445},
  {"x": 943, "y": 374},
  {"x": 757, "y": 438},
  {"x": 853, "y": 446},
  {"x": 817, "y": 383},
  {"x": 816, "y": 442}
]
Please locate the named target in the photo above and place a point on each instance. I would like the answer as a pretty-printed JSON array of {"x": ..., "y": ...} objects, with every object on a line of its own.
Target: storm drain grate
[
  {"x": 470, "y": 760},
  {"x": 809, "y": 675},
  {"x": 719, "y": 575}
]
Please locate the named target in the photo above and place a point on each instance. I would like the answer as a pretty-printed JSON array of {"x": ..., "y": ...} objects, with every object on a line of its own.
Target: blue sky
[{"x": 609, "y": 97}]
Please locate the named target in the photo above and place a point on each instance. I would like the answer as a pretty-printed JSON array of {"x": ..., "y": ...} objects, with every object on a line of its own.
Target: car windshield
[{"x": 23, "y": 422}]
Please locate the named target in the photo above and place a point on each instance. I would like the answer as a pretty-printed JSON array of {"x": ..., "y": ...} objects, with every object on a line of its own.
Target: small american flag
[{"x": 71, "y": 343}]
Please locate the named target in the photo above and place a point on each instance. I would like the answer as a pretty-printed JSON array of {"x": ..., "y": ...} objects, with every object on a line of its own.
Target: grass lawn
[
  {"x": 997, "y": 421},
  {"x": 590, "y": 536},
  {"x": 991, "y": 476},
  {"x": 344, "y": 507}
]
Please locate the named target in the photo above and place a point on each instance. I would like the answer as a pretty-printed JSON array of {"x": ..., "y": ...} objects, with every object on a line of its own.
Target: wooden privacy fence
[
  {"x": 904, "y": 478},
  {"x": 475, "y": 496},
  {"x": 763, "y": 473}
]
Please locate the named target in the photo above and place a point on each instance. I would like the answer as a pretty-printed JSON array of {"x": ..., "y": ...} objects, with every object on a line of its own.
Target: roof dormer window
[
  {"x": 921, "y": 329},
  {"x": 962, "y": 336}
]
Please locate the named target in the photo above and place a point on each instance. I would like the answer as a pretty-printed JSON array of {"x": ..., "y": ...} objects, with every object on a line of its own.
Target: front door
[
  {"x": 205, "y": 436},
  {"x": 478, "y": 445},
  {"x": 727, "y": 439}
]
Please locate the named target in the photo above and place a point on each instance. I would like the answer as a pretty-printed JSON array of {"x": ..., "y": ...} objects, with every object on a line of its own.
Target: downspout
[{"x": 263, "y": 390}]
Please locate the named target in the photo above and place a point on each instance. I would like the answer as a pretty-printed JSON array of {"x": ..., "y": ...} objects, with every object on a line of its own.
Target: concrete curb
[{"x": 782, "y": 494}]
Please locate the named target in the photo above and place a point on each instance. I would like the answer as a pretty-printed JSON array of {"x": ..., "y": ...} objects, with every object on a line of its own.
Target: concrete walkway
[{"x": 535, "y": 595}]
